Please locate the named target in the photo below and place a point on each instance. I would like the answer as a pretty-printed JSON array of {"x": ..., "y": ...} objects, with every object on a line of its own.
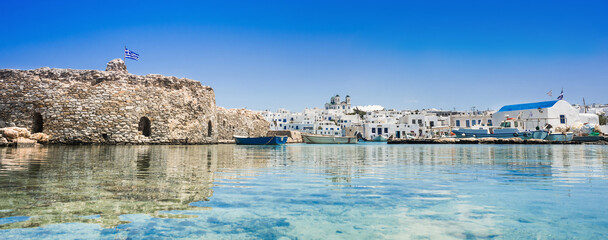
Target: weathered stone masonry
[{"x": 91, "y": 106}]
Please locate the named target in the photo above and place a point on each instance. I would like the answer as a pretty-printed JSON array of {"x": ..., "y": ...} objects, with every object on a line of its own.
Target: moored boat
[
  {"x": 509, "y": 128},
  {"x": 380, "y": 139},
  {"x": 589, "y": 138},
  {"x": 321, "y": 139},
  {"x": 560, "y": 137},
  {"x": 272, "y": 140}
]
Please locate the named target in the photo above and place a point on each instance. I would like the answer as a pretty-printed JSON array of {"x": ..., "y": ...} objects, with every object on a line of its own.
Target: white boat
[
  {"x": 560, "y": 137},
  {"x": 322, "y": 139},
  {"x": 379, "y": 138},
  {"x": 508, "y": 129}
]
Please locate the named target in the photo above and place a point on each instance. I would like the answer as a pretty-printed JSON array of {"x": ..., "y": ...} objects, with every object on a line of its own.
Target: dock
[{"x": 598, "y": 141}]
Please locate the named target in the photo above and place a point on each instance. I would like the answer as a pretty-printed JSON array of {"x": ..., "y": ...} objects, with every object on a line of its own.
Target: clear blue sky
[{"x": 297, "y": 54}]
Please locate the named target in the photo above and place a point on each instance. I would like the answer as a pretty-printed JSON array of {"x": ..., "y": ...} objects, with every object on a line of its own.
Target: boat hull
[
  {"x": 274, "y": 140},
  {"x": 379, "y": 139},
  {"x": 311, "y": 139},
  {"x": 560, "y": 137},
  {"x": 539, "y": 134},
  {"x": 590, "y": 138}
]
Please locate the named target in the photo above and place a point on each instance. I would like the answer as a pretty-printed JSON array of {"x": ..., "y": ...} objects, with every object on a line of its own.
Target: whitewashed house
[
  {"x": 471, "y": 119},
  {"x": 388, "y": 130},
  {"x": 328, "y": 128},
  {"x": 539, "y": 114}
]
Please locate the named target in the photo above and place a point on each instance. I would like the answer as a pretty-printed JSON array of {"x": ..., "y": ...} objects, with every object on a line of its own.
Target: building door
[
  {"x": 398, "y": 134},
  {"x": 379, "y": 131}
]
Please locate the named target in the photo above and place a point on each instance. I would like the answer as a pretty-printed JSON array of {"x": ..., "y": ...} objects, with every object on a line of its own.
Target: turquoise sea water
[{"x": 364, "y": 191}]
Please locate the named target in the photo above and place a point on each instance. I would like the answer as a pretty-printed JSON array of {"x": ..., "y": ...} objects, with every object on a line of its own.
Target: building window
[
  {"x": 284, "y": 120},
  {"x": 562, "y": 119},
  {"x": 413, "y": 121},
  {"x": 474, "y": 122},
  {"x": 457, "y": 123},
  {"x": 468, "y": 123},
  {"x": 385, "y": 130},
  {"x": 373, "y": 130},
  {"x": 489, "y": 122},
  {"x": 297, "y": 127},
  {"x": 432, "y": 123}
]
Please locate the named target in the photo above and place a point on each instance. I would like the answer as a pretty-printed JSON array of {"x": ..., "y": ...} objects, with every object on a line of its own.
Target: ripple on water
[{"x": 371, "y": 191}]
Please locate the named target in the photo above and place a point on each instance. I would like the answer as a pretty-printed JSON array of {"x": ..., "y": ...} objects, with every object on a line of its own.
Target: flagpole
[{"x": 124, "y": 56}]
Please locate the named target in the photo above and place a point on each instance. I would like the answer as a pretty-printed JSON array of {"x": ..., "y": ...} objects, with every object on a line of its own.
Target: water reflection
[
  {"x": 341, "y": 191},
  {"x": 64, "y": 183},
  {"x": 517, "y": 161}
]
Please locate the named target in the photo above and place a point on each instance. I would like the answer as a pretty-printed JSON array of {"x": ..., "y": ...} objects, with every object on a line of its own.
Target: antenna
[{"x": 585, "y": 105}]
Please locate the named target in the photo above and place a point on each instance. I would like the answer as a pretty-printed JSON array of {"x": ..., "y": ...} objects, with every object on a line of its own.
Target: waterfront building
[
  {"x": 339, "y": 118},
  {"x": 539, "y": 114},
  {"x": 390, "y": 130},
  {"x": 326, "y": 127},
  {"x": 471, "y": 119},
  {"x": 373, "y": 120}
]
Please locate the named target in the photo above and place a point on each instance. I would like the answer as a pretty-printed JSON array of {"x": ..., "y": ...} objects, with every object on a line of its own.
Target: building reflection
[
  {"x": 510, "y": 162},
  {"x": 59, "y": 184}
]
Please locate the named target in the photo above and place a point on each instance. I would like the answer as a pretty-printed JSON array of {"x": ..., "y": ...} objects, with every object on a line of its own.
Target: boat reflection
[{"x": 98, "y": 184}]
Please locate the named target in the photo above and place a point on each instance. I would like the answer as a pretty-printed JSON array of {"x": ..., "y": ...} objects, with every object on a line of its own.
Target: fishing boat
[
  {"x": 560, "y": 137},
  {"x": 509, "y": 128},
  {"x": 379, "y": 138},
  {"x": 322, "y": 139},
  {"x": 272, "y": 140}
]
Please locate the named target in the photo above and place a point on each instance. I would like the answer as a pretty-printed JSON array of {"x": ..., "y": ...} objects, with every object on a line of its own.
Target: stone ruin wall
[
  {"x": 240, "y": 122},
  {"x": 114, "y": 107}
]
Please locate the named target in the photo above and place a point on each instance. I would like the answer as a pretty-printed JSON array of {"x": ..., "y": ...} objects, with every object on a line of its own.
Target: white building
[
  {"x": 328, "y": 128},
  {"x": 338, "y": 118},
  {"x": 539, "y": 114},
  {"x": 471, "y": 119},
  {"x": 335, "y": 104},
  {"x": 388, "y": 130}
]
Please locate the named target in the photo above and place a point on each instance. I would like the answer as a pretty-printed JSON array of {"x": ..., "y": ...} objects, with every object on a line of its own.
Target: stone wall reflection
[
  {"x": 63, "y": 183},
  {"x": 58, "y": 184}
]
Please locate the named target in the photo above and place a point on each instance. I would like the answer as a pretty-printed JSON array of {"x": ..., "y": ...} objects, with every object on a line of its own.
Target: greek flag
[
  {"x": 131, "y": 55},
  {"x": 561, "y": 95}
]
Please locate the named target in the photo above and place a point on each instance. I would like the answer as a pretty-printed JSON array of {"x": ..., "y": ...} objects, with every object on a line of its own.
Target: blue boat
[{"x": 274, "y": 140}]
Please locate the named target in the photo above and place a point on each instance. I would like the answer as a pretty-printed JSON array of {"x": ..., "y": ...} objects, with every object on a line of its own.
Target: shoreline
[{"x": 494, "y": 141}]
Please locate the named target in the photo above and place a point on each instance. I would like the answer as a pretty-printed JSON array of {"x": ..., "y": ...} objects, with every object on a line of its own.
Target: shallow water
[{"x": 364, "y": 191}]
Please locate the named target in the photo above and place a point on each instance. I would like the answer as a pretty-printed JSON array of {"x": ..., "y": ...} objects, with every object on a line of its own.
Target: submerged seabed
[{"x": 365, "y": 191}]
